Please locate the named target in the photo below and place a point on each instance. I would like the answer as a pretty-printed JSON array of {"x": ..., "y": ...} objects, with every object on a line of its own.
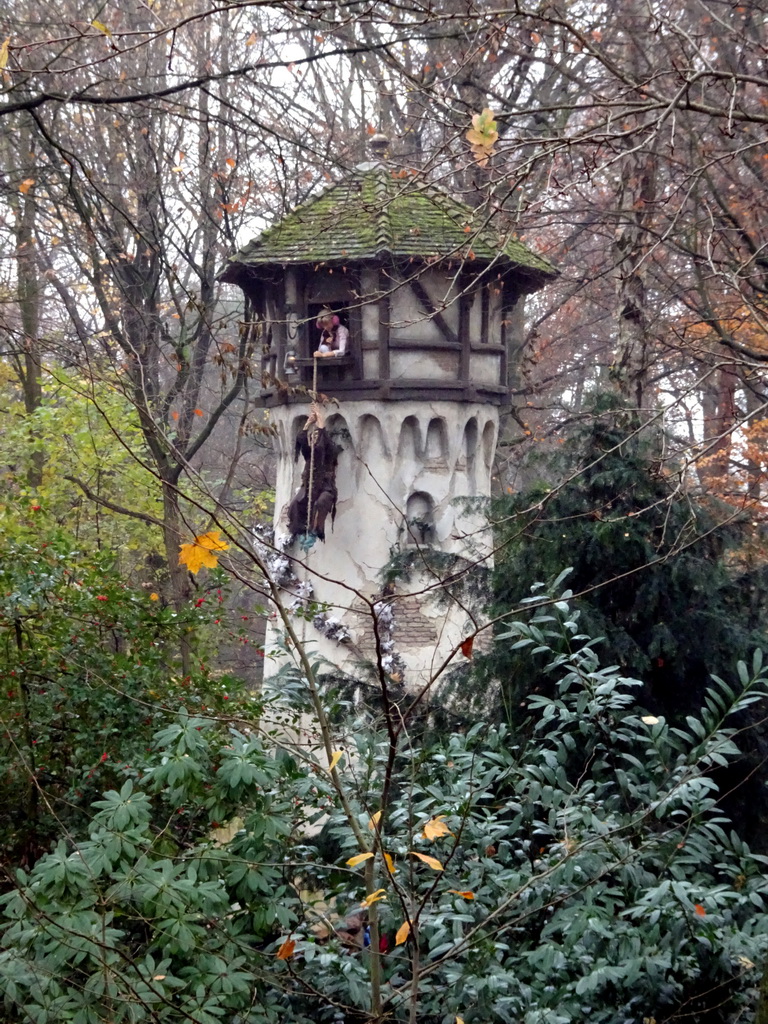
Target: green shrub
[
  {"x": 89, "y": 675},
  {"x": 587, "y": 874}
]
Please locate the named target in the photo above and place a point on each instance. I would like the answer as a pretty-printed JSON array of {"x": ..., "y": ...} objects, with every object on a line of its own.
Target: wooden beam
[
  {"x": 385, "y": 315},
  {"x": 464, "y": 300},
  {"x": 428, "y": 305}
]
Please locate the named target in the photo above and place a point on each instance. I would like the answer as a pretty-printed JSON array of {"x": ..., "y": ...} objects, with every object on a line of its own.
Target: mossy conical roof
[{"x": 376, "y": 214}]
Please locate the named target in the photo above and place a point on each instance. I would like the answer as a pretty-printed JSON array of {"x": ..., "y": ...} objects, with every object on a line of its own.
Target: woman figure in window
[{"x": 333, "y": 335}]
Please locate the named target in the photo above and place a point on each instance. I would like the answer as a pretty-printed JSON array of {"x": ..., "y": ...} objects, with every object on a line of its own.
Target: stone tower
[{"x": 424, "y": 289}]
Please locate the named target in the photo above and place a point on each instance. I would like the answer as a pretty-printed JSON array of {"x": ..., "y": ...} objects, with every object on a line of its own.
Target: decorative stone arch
[
  {"x": 373, "y": 442},
  {"x": 282, "y": 444},
  {"x": 297, "y": 425},
  {"x": 469, "y": 450},
  {"x": 338, "y": 430},
  {"x": 409, "y": 442},
  {"x": 436, "y": 446},
  {"x": 489, "y": 443}
]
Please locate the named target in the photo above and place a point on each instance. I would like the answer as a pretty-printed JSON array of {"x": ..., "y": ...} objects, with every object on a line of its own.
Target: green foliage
[
  {"x": 651, "y": 568},
  {"x": 86, "y": 430},
  {"x": 89, "y": 675},
  {"x": 606, "y": 884}
]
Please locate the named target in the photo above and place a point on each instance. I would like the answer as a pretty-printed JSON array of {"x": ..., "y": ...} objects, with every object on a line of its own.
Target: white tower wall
[{"x": 403, "y": 470}]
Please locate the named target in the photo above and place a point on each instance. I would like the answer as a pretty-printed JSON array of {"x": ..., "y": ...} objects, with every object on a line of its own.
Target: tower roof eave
[{"x": 371, "y": 217}]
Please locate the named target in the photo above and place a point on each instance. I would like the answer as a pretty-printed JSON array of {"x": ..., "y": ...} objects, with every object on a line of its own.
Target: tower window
[{"x": 419, "y": 520}]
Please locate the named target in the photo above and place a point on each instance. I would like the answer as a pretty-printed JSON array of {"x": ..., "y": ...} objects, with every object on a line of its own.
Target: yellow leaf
[
  {"x": 286, "y": 950},
  {"x": 745, "y": 962},
  {"x": 251, "y": 39},
  {"x": 202, "y": 551},
  {"x": 358, "y": 859},
  {"x": 4, "y": 53},
  {"x": 486, "y": 139},
  {"x": 402, "y": 933},
  {"x": 26, "y": 185},
  {"x": 435, "y": 828},
  {"x": 212, "y": 541},
  {"x": 154, "y": 597},
  {"x": 375, "y": 819},
  {"x": 650, "y": 720},
  {"x": 101, "y": 27},
  {"x": 482, "y": 136},
  {"x": 374, "y": 897},
  {"x": 335, "y": 758},
  {"x": 459, "y": 1020},
  {"x": 432, "y": 862},
  {"x": 463, "y": 892},
  {"x": 389, "y": 862},
  {"x": 158, "y": 977}
]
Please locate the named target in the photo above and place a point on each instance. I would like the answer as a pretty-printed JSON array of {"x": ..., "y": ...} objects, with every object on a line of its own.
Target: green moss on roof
[{"x": 372, "y": 215}]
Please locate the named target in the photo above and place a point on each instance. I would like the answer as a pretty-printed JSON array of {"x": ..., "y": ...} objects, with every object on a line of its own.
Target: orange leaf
[
  {"x": 466, "y": 893},
  {"x": 402, "y": 933},
  {"x": 466, "y": 646},
  {"x": 198, "y": 412},
  {"x": 375, "y": 819},
  {"x": 435, "y": 828},
  {"x": 286, "y": 950},
  {"x": 432, "y": 862},
  {"x": 230, "y": 162},
  {"x": 389, "y": 862},
  {"x": 26, "y": 185},
  {"x": 699, "y": 910},
  {"x": 154, "y": 597},
  {"x": 175, "y": 415}
]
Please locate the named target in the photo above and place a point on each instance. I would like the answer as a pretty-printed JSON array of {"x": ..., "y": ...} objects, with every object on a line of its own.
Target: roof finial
[{"x": 378, "y": 144}]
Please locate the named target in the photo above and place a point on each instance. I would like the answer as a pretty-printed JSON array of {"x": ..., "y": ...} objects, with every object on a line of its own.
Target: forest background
[{"x": 589, "y": 841}]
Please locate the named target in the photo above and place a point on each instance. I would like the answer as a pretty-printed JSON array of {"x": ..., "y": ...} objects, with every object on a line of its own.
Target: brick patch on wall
[{"x": 412, "y": 629}]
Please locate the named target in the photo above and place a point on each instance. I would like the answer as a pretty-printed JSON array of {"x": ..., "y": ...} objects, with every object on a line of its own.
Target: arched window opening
[{"x": 419, "y": 520}]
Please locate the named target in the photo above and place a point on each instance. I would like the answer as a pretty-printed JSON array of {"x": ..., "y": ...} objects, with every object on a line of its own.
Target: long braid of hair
[{"x": 312, "y": 438}]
